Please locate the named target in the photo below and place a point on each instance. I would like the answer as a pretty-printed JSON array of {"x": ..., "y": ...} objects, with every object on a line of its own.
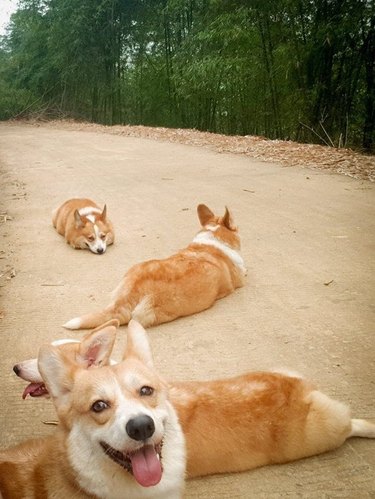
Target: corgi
[
  {"x": 84, "y": 225},
  {"x": 188, "y": 282},
  {"x": 240, "y": 423},
  {"x": 118, "y": 435}
]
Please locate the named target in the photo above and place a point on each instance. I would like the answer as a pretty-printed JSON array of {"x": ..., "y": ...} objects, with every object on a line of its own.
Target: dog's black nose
[
  {"x": 100, "y": 251},
  {"x": 141, "y": 427},
  {"x": 16, "y": 369}
]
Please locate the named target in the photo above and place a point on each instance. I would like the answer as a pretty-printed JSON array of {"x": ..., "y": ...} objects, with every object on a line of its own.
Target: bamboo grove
[{"x": 288, "y": 69}]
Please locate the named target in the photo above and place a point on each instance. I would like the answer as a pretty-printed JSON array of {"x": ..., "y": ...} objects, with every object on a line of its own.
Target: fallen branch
[
  {"x": 324, "y": 130},
  {"x": 316, "y": 133}
]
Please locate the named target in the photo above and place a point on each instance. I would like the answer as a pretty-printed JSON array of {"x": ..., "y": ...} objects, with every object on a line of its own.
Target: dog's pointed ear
[
  {"x": 104, "y": 213},
  {"x": 78, "y": 219},
  {"x": 228, "y": 221},
  {"x": 137, "y": 344},
  {"x": 96, "y": 347},
  {"x": 56, "y": 373},
  {"x": 205, "y": 215}
]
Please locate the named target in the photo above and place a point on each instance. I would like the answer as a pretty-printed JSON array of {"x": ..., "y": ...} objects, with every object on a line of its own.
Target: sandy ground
[
  {"x": 283, "y": 152},
  {"x": 308, "y": 240}
]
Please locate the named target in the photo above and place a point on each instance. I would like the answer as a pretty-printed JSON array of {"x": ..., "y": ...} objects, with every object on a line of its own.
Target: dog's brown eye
[
  {"x": 102, "y": 236},
  {"x": 146, "y": 391},
  {"x": 91, "y": 238},
  {"x": 99, "y": 406}
]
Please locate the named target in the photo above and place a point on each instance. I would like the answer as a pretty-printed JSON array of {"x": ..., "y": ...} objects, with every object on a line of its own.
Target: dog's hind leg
[
  {"x": 95, "y": 319},
  {"x": 362, "y": 428},
  {"x": 144, "y": 312}
]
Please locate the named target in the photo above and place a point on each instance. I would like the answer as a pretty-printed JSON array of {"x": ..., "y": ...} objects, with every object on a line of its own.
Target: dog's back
[{"x": 257, "y": 419}]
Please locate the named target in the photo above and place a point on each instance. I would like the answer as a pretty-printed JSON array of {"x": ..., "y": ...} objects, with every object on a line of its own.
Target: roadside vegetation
[{"x": 289, "y": 69}]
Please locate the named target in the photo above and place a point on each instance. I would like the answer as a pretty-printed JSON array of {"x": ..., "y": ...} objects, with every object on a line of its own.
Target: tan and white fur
[
  {"x": 251, "y": 420},
  {"x": 118, "y": 435},
  {"x": 187, "y": 282},
  {"x": 84, "y": 225}
]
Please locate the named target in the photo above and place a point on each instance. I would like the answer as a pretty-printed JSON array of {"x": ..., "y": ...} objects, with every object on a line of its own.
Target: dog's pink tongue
[
  {"x": 146, "y": 466},
  {"x": 34, "y": 390}
]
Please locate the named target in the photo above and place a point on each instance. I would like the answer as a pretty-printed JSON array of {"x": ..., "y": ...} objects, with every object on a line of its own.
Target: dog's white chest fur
[{"x": 208, "y": 238}]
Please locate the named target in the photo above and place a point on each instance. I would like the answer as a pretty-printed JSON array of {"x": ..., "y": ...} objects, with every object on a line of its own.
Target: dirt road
[{"x": 308, "y": 240}]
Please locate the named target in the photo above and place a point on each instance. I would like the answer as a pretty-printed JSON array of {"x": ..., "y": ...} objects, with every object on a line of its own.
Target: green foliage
[
  {"x": 286, "y": 69},
  {"x": 14, "y": 101}
]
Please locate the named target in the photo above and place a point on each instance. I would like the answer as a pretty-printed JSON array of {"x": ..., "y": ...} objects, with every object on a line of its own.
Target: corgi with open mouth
[
  {"x": 238, "y": 423},
  {"x": 118, "y": 434}
]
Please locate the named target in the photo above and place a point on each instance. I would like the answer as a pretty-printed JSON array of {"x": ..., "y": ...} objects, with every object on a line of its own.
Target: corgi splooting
[
  {"x": 84, "y": 225},
  {"x": 118, "y": 435},
  {"x": 248, "y": 421},
  {"x": 188, "y": 282}
]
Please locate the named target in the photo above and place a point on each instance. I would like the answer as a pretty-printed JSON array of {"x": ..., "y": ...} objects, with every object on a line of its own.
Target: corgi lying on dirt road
[
  {"x": 188, "y": 282},
  {"x": 118, "y": 434},
  {"x": 238, "y": 423},
  {"x": 84, "y": 225}
]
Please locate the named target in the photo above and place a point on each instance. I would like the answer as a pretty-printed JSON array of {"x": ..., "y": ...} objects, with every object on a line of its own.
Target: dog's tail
[
  {"x": 362, "y": 428},
  {"x": 95, "y": 319}
]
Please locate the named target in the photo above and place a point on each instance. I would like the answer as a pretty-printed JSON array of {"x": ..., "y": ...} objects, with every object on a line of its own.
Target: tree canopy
[{"x": 291, "y": 69}]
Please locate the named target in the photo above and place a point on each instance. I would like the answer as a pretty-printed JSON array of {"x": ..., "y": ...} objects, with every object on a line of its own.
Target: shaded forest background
[{"x": 289, "y": 69}]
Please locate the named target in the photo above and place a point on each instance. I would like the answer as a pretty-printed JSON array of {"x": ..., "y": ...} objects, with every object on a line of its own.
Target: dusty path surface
[{"x": 308, "y": 240}]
